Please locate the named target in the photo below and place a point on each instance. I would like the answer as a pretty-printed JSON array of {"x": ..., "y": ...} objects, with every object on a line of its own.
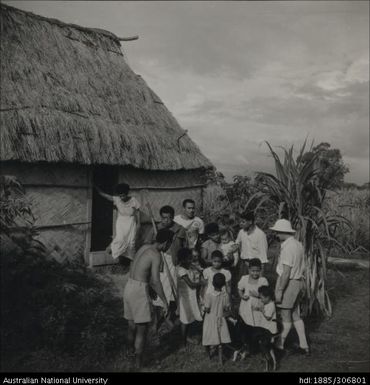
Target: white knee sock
[
  {"x": 286, "y": 329},
  {"x": 299, "y": 327}
]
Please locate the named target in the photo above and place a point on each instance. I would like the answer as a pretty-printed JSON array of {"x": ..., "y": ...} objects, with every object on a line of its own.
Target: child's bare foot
[{"x": 192, "y": 341}]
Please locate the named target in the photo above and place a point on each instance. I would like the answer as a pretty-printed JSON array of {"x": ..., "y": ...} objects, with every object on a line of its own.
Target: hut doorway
[{"x": 105, "y": 177}]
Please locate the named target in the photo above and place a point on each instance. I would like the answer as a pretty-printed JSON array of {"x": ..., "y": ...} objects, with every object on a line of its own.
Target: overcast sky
[{"x": 238, "y": 73}]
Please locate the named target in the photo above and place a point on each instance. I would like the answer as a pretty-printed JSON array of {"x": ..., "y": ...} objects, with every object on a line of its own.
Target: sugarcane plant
[{"x": 298, "y": 194}]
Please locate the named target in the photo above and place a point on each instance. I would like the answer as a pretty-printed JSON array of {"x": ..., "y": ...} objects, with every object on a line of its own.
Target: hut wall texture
[
  {"x": 59, "y": 197},
  {"x": 161, "y": 188}
]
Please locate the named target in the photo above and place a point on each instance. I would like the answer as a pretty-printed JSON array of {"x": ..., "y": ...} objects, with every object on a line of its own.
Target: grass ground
[{"x": 339, "y": 344}]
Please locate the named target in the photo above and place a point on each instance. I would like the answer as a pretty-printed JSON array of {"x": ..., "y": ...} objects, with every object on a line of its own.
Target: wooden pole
[{"x": 130, "y": 38}]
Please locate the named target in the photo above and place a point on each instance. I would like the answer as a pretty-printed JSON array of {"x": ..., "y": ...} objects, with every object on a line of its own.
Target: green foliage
[
  {"x": 329, "y": 164},
  {"x": 297, "y": 194},
  {"x": 354, "y": 204},
  {"x": 14, "y": 208},
  {"x": 47, "y": 306}
]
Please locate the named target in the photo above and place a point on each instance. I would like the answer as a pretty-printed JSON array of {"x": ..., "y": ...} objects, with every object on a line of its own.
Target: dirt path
[{"x": 339, "y": 344}]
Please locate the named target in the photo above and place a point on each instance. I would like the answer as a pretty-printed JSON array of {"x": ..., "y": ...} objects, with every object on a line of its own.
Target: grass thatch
[{"x": 67, "y": 95}]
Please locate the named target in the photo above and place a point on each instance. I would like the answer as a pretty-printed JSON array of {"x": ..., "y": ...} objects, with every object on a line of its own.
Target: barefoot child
[
  {"x": 248, "y": 292},
  {"x": 263, "y": 335},
  {"x": 187, "y": 295},
  {"x": 217, "y": 305}
]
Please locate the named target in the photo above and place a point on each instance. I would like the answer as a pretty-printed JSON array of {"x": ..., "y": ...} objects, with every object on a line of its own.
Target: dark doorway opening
[{"x": 104, "y": 177}]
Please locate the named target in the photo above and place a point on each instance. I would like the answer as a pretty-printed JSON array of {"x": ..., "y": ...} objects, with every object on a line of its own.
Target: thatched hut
[{"x": 73, "y": 114}]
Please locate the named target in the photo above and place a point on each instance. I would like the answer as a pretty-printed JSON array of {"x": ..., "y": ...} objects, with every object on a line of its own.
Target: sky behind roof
[{"x": 235, "y": 74}]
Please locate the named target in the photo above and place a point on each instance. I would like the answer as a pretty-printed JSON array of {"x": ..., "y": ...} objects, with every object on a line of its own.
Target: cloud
[{"x": 238, "y": 73}]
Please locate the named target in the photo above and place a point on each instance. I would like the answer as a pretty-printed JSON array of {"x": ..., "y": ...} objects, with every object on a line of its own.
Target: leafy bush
[
  {"x": 47, "y": 306},
  {"x": 353, "y": 203},
  {"x": 298, "y": 195}
]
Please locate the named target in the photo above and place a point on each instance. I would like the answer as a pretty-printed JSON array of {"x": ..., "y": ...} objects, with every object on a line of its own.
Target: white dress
[
  {"x": 187, "y": 298},
  {"x": 249, "y": 316},
  {"x": 124, "y": 241}
]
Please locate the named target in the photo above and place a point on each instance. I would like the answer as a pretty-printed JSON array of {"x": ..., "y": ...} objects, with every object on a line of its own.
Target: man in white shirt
[
  {"x": 192, "y": 224},
  {"x": 252, "y": 242},
  {"x": 290, "y": 284}
]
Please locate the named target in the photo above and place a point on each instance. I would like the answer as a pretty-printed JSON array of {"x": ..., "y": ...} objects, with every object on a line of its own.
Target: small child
[
  {"x": 264, "y": 334},
  {"x": 197, "y": 270},
  {"x": 195, "y": 264},
  {"x": 229, "y": 249},
  {"x": 248, "y": 291},
  {"x": 211, "y": 244},
  {"x": 215, "y": 329},
  {"x": 216, "y": 267},
  {"x": 188, "y": 306}
]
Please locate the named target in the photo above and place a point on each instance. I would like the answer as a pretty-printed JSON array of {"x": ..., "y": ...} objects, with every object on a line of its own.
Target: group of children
[{"x": 237, "y": 309}]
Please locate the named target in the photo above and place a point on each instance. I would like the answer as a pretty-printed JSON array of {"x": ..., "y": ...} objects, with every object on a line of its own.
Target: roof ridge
[{"x": 60, "y": 23}]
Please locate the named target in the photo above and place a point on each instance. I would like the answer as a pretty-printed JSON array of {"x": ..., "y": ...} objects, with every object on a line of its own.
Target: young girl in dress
[
  {"x": 250, "y": 316},
  {"x": 187, "y": 293},
  {"x": 216, "y": 307},
  {"x": 216, "y": 267},
  {"x": 264, "y": 334},
  {"x": 128, "y": 221}
]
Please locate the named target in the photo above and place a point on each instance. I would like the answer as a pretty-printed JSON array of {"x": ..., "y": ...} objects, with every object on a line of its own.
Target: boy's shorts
[
  {"x": 292, "y": 294},
  {"x": 136, "y": 302}
]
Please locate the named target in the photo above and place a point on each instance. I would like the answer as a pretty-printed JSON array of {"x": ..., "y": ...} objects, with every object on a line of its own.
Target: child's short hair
[
  {"x": 255, "y": 262},
  {"x": 183, "y": 254},
  {"x": 164, "y": 235},
  {"x": 248, "y": 216},
  {"x": 167, "y": 210},
  {"x": 225, "y": 231},
  {"x": 217, "y": 254},
  {"x": 184, "y": 203},
  {"x": 266, "y": 291},
  {"x": 211, "y": 228},
  {"x": 122, "y": 188},
  {"x": 196, "y": 249},
  {"x": 219, "y": 281}
]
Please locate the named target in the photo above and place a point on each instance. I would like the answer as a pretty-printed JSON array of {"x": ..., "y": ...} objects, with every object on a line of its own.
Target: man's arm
[
  {"x": 204, "y": 256},
  {"x": 282, "y": 283},
  {"x": 138, "y": 223},
  {"x": 155, "y": 279}
]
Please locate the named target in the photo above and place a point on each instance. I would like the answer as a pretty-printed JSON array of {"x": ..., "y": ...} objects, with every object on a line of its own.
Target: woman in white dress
[{"x": 127, "y": 223}]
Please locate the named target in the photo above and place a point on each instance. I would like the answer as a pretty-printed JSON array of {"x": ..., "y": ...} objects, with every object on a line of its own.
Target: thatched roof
[{"x": 67, "y": 95}]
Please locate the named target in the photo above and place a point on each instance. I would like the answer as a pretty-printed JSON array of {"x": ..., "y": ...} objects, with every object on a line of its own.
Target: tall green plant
[{"x": 297, "y": 195}]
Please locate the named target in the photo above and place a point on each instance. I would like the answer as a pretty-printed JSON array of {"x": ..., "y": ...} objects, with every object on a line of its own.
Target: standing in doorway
[{"x": 128, "y": 221}]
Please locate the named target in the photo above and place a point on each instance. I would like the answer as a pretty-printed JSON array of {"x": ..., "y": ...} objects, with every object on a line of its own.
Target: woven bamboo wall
[
  {"x": 59, "y": 195},
  {"x": 163, "y": 188}
]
